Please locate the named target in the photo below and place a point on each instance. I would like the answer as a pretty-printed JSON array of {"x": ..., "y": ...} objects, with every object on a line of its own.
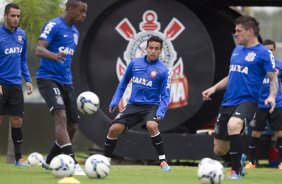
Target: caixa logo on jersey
[{"x": 137, "y": 43}]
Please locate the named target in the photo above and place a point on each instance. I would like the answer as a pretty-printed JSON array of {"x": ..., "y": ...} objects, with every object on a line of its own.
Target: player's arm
[
  {"x": 42, "y": 51},
  {"x": 24, "y": 70},
  {"x": 221, "y": 85},
  {"x": 273, "y": 82},
  {"x": 121, "y": 87},
  {"x": 165, "y": 96}
]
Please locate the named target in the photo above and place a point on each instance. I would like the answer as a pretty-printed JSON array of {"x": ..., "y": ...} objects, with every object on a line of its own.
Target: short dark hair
[
  {"x": 9, "y": 6},
  {"x": 155, "y": 39},
  {"x": 269, "y": 42},
  {"x": 249, "y": 22},
  {"x": 73, "y": 3}
]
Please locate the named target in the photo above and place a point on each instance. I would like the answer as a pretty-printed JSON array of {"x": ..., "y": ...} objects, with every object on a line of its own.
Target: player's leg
[
  {"x": 53, "y": 96},
  {"x": 276, "y": 125},
  {"x": 243, "y": 113},
  {"x": 15, "y": 110},
  {"x": 221, "y": 138},
  {"x": 114, "y": 132},
  {"x": 258, "y": 125},
  {"x": 127, "y": 118}
]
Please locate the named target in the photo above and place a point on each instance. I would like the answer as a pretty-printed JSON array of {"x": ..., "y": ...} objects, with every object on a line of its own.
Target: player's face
[
  {"x": 153, "y": 50},
  {"x": 270, "y": 47},
  {"x": 79, "y": 13},
  {"x": 12, "y": 19},
  {"x": 242, "y": 35}
]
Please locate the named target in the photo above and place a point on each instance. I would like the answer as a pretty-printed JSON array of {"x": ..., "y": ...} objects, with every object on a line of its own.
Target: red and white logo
[{"x": 137, "y": 48}]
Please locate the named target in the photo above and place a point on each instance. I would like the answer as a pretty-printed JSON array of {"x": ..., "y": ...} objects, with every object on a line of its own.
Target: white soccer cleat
[{"x": 78, "y": 171}]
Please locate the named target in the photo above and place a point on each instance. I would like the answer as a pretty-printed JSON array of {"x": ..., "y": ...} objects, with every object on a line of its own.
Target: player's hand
[
  {"x": 207, "y": 93},
  {"x": 112, "y": 109},
  {"x": 270, "y": 101},
  {"x": 61, "y": 57},
  {"x": 29, "y": 88},
  {"x": 1, "y": 92}
]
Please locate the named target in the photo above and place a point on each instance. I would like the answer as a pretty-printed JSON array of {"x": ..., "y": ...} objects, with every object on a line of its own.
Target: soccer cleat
[
  {"x": 45, "y": 165},
  {"x": 233, "y": 175},
  {"x": 22, "y": 163},
  {"x": 280, "y": 166},
  {"x": 78, "y": 171},
  {"x": 250, "y": 166},
  {"x": 243, "y": 159},
  {"x": 165, "y": 166}
]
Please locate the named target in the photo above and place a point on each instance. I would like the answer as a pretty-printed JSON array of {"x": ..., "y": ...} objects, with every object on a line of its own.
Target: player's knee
[
  {"x": 60, "y": 115},
  {"x": 16, "y": 122},
  {"x": 152, "y": 126},
  {"x": 115, "y": 130}
]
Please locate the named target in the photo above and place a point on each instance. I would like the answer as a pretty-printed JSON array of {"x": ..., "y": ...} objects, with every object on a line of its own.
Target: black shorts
[
  {"x": 274, "y": 119},
  {"x": 245, "y": 111},
  {"x": 59, "y": 96},
  {"x": 134, "y": 114},
  {"x": 12, "y": 101}
]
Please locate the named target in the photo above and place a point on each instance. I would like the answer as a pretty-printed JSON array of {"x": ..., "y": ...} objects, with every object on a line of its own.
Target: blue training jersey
[
  {"x": 13, "y": 64},
  {"x": 264, "y": 89},
  {"x": 248, "y": 67},
  {"x": 61, "y": 38},
  {"x": 150, "y": 84}
]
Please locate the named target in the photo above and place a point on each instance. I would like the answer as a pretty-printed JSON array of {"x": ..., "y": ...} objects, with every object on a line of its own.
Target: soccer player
[
  {"x": 148, "y": 101},
  {"x": 55, "y": 48},
  {"x": 250, "y": 62},
  {"x": 12, "y": 68},
  {"x": 263, "y": 114}
]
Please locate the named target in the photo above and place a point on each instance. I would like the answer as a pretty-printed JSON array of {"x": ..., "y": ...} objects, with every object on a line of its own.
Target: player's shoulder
[
  {"x": 278, "y": 64},
  {"x": 20, "y": 31}
]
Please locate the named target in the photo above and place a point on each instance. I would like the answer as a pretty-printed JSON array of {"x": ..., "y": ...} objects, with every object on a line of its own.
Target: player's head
[
  {"x": 76, "y": 11},
  {"x": 154, "y": 48},
  {"x": 270, "y": 44},
  {"x": 246, "y": 29},
  {"x": 12, "y": 15}
]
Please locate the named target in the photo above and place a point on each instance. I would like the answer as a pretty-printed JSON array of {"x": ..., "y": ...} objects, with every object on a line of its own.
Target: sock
[
  {"x": 55, "y": 150},
  {"x": 17, "y": 137},
  {"x": 279, "y": 146},
  {"x": 110, "y": 145},
  {"x": 236, "y": 152},
  {"x": 226, "y": 158},
  {"x": 253, "y": 149},
  {"x": 158, "y": 144},
  {"x": 67, "y": 149}
]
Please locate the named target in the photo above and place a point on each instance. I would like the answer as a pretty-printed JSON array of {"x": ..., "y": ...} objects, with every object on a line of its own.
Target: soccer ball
[
  {"x": 210, "y": 171},
  {"x": 35, "y": 158},
  {"x": 88, "y": 102},
  {"x": 62, "y": 166},
  {"x": 97, "y": 166}
]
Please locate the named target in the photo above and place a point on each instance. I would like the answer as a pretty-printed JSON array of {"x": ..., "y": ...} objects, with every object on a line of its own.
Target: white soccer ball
[
  {"x": 35, "y": 158},
  {"x": 88, "y": 102},
  {"x": 210, "y": 171},
  {"x": 62, "y": 166},
  {"x": 97, "y": 166}
]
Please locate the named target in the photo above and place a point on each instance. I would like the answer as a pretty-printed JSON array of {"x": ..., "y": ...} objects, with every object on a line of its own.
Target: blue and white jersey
[
  {"x": 13, "y": 57},
  {"x": 150, "y": 84},
  {"x": 264, "y": 89},
  {"x": 248, "y": 67},
  {"x": 61, "y": 38}
]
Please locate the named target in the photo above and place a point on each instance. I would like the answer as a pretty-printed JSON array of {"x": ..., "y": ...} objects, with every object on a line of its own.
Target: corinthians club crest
[{"x": 136, "y": 48}]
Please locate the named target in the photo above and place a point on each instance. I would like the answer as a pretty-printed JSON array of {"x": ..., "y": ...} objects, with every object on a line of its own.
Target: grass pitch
[{"x": 132, "y": 174}]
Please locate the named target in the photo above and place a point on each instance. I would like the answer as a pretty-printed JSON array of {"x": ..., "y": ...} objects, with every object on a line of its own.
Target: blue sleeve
[
  {"x": 48, "y": 31},
  {"x": 24, "y": 69},
  {"x": 269, "y": 62},
  {"x": 122, "y": 85},
  {"x": 165, "y": 95}
]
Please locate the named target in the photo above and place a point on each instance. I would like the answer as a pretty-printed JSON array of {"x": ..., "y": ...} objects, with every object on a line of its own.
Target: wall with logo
[{"x": 197, "y": 45}]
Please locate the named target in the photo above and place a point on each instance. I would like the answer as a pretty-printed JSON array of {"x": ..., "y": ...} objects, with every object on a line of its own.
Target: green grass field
[{"x": 132, "y": 174}]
